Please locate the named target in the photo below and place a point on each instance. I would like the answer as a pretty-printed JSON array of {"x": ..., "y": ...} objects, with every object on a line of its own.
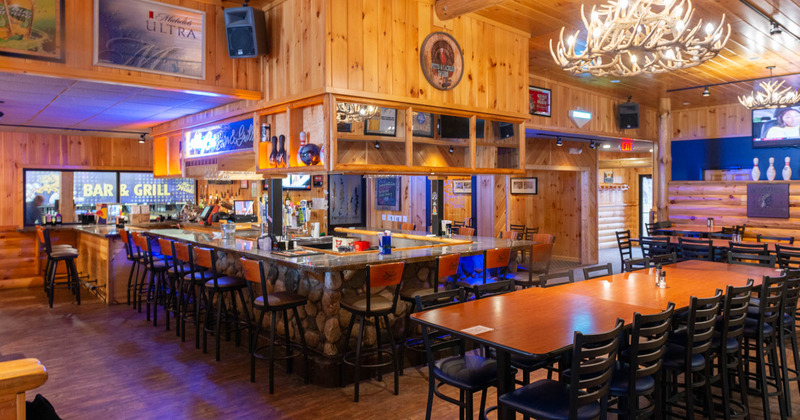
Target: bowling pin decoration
[
  {"x": 755, "y": 173},
  {"x": 787, "y": 170},
  {"x": 771, "y": 170}
]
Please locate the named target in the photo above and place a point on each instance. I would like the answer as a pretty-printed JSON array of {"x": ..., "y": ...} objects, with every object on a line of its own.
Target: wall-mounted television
[
  {"x": 451, "y": 127},
  {"x": 297, "y": 182},
  {"x": 776, "y": 127}
]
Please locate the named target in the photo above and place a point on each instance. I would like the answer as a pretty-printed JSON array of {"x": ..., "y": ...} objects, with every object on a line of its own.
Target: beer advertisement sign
[
  {"x": 32, "y": 29},
  {"x": 149, "y": 36}
]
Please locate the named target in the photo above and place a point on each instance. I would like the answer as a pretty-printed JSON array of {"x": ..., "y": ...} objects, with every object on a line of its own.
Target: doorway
[{"x": 645, "y": 202}]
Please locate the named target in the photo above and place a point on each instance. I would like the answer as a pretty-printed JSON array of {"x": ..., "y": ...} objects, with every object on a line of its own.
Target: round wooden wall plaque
[{"x": 441, "y": 60}]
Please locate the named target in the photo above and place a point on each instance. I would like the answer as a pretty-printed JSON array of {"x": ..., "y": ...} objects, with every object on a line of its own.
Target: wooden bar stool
[
  {"x": 274, "y": 303},
  {"x": 219, "y": 285},
  {"x": 53, "y": 257},
  {"x": 171, "y": 281},
  {"x": 133, "y": 259},
  {"x": 372, "y": 305},
  {"x": 138, "y": 282},
  {"x": 157, "y": 268},
  {"x": 496, "y": 258},
  {"x": 191, "y": 290},
  {"x": 54, "y": 248}
]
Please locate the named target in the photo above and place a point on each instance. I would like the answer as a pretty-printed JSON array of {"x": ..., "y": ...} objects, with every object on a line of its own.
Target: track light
[
  {"x": 774, "y": 28},
  {"x": 377, "y": 145},
  {"x": 592, "y": 145},
  {"x": 706, "y": 92},
  {"x": 141, "y": 139},
  {"x": 559, "y": 142},
  {"x": 451, "y": 150}
]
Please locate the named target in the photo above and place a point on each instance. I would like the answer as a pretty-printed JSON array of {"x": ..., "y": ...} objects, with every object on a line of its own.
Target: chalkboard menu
[
  {"x": 142, "y": 188},
  {"x": 387, "y": 193},
  {"x": 90, "y": 188},
  {"x": 224, "y": 138}
]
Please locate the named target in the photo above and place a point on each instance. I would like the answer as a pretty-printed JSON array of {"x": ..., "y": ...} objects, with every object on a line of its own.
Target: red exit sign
[{"x": 626, "y": 146}]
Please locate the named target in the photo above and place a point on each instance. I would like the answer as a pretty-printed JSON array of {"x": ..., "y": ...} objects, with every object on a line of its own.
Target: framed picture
[
  {"x": 525, "y": 186},
  {"x": 462, "y": 186},
  {"x": 243, "y": 185},
  {"x": 149, "y": 36},
  {"x": 384, "y": 124},
  {"x": 768, "y": 200},
  {"x": 346, "y": 206},
  {"x": 423, "y": 124},
  {"x": 344, "y": 127},
  {"x": 317, "y": 181},
  {"x": 387, "y": 193},
  {"x": 539, "y": 101},
  {"x": 608, "y": 177},
  {"x": 33, "y": 32}
]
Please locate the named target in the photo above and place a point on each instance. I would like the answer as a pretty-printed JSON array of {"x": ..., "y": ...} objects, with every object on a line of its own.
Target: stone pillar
[{"x": 663, "y": 160}]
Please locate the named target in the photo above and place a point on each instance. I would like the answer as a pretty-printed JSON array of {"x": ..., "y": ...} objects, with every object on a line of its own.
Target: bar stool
[
  {"x": 727, "y": 344},
  {"x": 218, "y": 285},
  {"x": 496, "y": 258},
  {"x": 54, "y": 248},
  {"x": 53, "y": 258},
  {"x": 133, "y": 259},
  {"x": 170, "y": 283},
  {"x": 274, "y": 303},
  {"x": 157, "y": 268},
  {"x": 138, "y": 282},
  {"x": 191, "y": 290},
  {"x": 372, "y": 305}
]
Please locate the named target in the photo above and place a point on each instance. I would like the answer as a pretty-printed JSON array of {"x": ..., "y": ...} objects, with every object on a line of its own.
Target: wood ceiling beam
[{"x": 451, "y": 9}]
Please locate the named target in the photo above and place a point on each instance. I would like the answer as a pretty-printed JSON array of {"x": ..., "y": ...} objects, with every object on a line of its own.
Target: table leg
[{"x": 505, "y": 383}]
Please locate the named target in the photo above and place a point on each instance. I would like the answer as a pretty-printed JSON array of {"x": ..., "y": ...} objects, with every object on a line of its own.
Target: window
[
  {"x": 90, "y": 188},
  {"x": 45, "y": 184},
  {"x": 142, "y": 188}
]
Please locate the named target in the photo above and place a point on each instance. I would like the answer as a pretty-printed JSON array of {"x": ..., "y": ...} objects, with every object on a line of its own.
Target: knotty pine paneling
[
  {"x": 619, "y": 210},
  {"x": 713, "y": 122},
  {"x": 373, "y": 47},
  {"x": 240, "y": 77},
  {"x": 726, "y": 202},
  {"x": 457, "y": 207}
]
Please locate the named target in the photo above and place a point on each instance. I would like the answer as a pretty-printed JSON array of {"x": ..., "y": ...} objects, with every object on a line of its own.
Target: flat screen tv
[
  {"x": 297, "y": 182},
  {"x": 451, "y": 127},
  {"x": 776, "y": 127},
  {"x": 243, "y": 207}
]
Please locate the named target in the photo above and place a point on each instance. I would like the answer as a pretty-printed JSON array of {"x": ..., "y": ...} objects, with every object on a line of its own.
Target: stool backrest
[
  {"x": 466, "y": 231},
  {"x": 447, "y": 265},
  {"x": 204, "y": 257},
  {"x": 126, "y": 240},
  {"x": 770, "y": 301},
  {"x": 183, "y": 252},
  {"x": 509, "y": 234},
  {"x": 790, "y": 297},
  {"x": 593, "y": 358},
  {"x": 44, "y": 238},
  {"x": 253, "y": 271},
  {"x": 385, "y": 275},
  {"x": 497, "y": 258},
  {"x": 516, "y": 228},
  {"x": 166, "y": 247},
  {"x": 734, "y": 311},
  {"x": 648, "y": 341},
  {"x": 700, "y": 324}
]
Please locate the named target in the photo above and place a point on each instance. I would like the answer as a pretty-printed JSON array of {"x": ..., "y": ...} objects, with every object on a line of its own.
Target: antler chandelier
[
  {"x": 643, "y": 36},
  {"x": 347, "y": 112},
  {"x": 774, "y": 95}
]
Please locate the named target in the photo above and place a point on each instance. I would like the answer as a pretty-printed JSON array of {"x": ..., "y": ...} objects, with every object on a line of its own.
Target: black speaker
[
  {"x": 246, "y": 30},
  {"x": 628, "y": 115}
]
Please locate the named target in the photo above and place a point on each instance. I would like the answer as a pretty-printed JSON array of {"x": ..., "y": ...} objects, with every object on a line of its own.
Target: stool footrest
[
  {"x": 367, "y": 353},
  {"x": 295, "y": 346}
]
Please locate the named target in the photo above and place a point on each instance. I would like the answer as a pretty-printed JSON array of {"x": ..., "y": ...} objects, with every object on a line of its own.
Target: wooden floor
[{"x": 108, "y": 362}]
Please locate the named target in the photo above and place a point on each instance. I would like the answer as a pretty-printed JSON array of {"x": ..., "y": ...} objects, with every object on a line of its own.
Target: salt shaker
[
  {"x": 658, "y": 275},
  {"x": 662, "y": 281}
]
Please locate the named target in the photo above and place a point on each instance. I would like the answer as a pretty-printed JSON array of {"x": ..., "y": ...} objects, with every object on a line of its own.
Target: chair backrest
[
  {"x": 125, "y": 237},
  {"x": 548, "y": 280},
  {"x": 541, "y": 255},
  {"x": 204, "y": 257},
  {"x": 166, "y": 247},
  {"x": 756, "y": 248},
  {"x": 784, "y": 239},
  {"x": 624, "y": 244},
  {"x": 497, "y": 258},
  {"x": 408, "y": 226},
  {"x": 664, "y": 259},
  {"x": 465, "y": 231},
  {"x": 734, "y": 312},
  {"x": 457, "y": 224},
  {"x": 183, "y": 252},
  {"x": 493, "y": 288},
  {"x": 533, "y": 230},
  {"x": 648, "y": 340},
  {"x": 790, "y": 298},
  {"x": 44, "y": 237},
  {"x": 593, "y": 358},
  {"x": 517, "y": 228},
  {"x": 509, "y": 234},
  {"x": 636, "y": 264},
  {"x": 652, "y": 246},
  {"x": 696, "y": 249},
  {"x": 544, "y": 238},
  {"x": 429, "y": 334},
  {"x": 650, "y": 228},
  {"x": 770, "y": 302},
  {"x": 253, "y": 271},
  {"x": 788, "y": 256},
  {"x": 700, "y": 324},
  {"x": 598, "y": 271},
  {"x": 447, "y": 265},
  {"x": 750, "y": 259},
  {"x": 389, "y": 275}
]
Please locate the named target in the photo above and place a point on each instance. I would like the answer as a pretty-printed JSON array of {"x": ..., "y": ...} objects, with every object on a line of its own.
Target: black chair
[
  {"x": 555, "y": 279},
  {"x": 624, "y": 245},
  {"x": 727, "y": 345},
  {"x": 445, "y": 267},
  {"x": 275, "y": 303},
  {"x": 751, "y": 259},
  {"x": 652, "y": 246},
  {"x": 532, "y": 230},
  {"x": 650, "y": 228},
  {"x": 761, "y": 342},
  {"x": 636, "y": 374},
  {"x": 780, "y": 239},
  {"x": 468, "y": 373},
  {"x": 687, "y": 354},
  {"x": 636, "y": 264},
  {"x": 517, "y": 228},
  {"x": 54, "y": 256},
  {"x": 696, "y": 249},
  {"x": 584, "y": 394},
  {"x": 788, "y": 257},
  {"x": 788, "y": 332},
  {"x": 756, "y": 248},
  {"x": 157, "y": 268},
  {"x": 191, "y": 290},
  {"x": 664, "y": 259},
  {"x": 495, "y": 259},
  {"x": 597, "y": 271},
  {"x": 494, "y": 288},
  {"x": 127, "y": 242}
]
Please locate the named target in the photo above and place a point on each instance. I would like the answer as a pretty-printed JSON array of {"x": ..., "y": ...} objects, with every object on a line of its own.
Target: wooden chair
[
  {"x": 652, "y": 246},
  {"x": 408, "y": 226},
  {"x": 636, "y": 264},
  {"x": 541, "y": 254},
  {"x": 465, "y": 231},
  {"x": 549, "y": 280},
  {"x": 532, "y": 230},
  {"x": 509, "y": 234},
  {"x": 597, "y": 271},
  {"x": 517, "y": 228},
  {"x": 17, "y": 377},
  {"x": 779, "y": 239},
  {"x": 788, "y": 257},
  {"x": 696, "y": 249}
]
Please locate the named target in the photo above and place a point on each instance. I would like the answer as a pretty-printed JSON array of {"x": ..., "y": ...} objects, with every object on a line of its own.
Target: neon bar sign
[{"x": 218, "y": 139}]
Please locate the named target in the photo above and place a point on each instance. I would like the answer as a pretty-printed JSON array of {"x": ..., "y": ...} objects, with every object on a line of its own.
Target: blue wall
[{"x": 691, "y": 157}]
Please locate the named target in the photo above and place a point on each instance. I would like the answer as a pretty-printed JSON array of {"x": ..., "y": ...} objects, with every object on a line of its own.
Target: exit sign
[{"x": 626, "y": 146}]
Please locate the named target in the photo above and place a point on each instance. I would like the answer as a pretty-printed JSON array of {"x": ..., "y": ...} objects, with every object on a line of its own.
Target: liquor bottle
[
  {"x": 48, "y": 219},
  {"x": 58, "y": 218},
  {"x": 787, "y": 170},
  {"x": 20, "y": 13},
  {"x": 755, "y": 174},
  {"x": 771, "y": 170},
  {"x": 5, "y": 28}
]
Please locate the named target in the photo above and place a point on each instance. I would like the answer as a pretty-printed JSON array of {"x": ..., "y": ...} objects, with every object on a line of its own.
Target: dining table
[{"x": 539, "y": 323}]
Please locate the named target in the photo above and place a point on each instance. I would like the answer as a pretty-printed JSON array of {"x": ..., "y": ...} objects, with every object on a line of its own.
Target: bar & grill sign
[
  {"x": 223, "y": 138},
  {"x": 149, "y": 36}
]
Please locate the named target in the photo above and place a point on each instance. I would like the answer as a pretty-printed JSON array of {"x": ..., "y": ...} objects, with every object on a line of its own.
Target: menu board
[
  {"x": 387, "y": 193},
  {"x": 142, "y": 188},
  {"x": 90, "y": 188},
  {"x": 44, "y": 183}
]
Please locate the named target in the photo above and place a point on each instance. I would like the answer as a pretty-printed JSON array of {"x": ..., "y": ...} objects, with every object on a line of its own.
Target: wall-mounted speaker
[
  {"x": 628, "y": 114},
  {"x": 246, "y": 30}
]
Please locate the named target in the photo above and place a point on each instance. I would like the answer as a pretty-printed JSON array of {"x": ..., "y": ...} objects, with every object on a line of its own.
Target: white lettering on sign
[{"x": 98, "y": 190}]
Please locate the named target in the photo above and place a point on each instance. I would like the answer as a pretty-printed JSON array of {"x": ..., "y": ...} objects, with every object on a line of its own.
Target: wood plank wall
[
  {"x": 726, "y": 202},
  {"x": 711, "y": 122},
  {"x": 566, "y": 97},
  {"x": 619, "y": 210},
  {"x": 457, "y": 207},
  {"x": 373, "y": 51},
  {"x": 223, "y": 74},
  {"x": 413, "y": 204}
]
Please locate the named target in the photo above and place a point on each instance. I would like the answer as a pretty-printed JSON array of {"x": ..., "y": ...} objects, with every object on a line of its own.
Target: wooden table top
[{"x": 716, "y": 243}]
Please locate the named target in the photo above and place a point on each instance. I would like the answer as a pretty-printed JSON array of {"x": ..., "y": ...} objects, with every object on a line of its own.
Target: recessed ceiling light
[
  {"x": 687, "y": 103},
  {"x": 614, "y": 81},
  {"x": 651, "y": 150},
  {"x": 606, "y": 146}
]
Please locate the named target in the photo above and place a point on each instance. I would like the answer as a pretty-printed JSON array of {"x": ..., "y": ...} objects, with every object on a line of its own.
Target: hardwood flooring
[{"x": 109, "y": 363}]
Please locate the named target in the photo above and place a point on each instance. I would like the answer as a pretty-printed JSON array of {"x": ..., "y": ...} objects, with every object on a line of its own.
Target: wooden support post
[
  {"x": 663, "y": 163},
  {"x": 450, "y": 9}
]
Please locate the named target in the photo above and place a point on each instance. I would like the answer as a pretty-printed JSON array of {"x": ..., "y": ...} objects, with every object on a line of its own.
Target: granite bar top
[
  {"x": 103, "y": 231},
  {"x": 321, "y": 263}
]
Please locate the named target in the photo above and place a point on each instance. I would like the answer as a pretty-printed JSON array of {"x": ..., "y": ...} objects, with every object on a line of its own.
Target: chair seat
[
  {"x": 751, "y": 328},
  {"x": 619, "y": 381},
  {"x": 198, "y": 278},
  {"x": 281, "y": 299},
  {"x": 674, "y": 356},
  {"x": 523, "y": 278},
  {"x": 731, "y": 345},
  {"x": 359, "y": 304},
  {"x": 226, "y": 282},
  {"x": 63, "y": 255},
  {"x": 471, "y": 282},
  {"x": 547, "y": 399},
  {"x": 409, "y": 294},
  {"x": 469, "y": 372},
  {"x": 183, "y": 268}
]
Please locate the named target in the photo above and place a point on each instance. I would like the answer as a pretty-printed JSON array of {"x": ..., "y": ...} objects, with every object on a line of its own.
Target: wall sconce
[{"x": 142, "y": 139}]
